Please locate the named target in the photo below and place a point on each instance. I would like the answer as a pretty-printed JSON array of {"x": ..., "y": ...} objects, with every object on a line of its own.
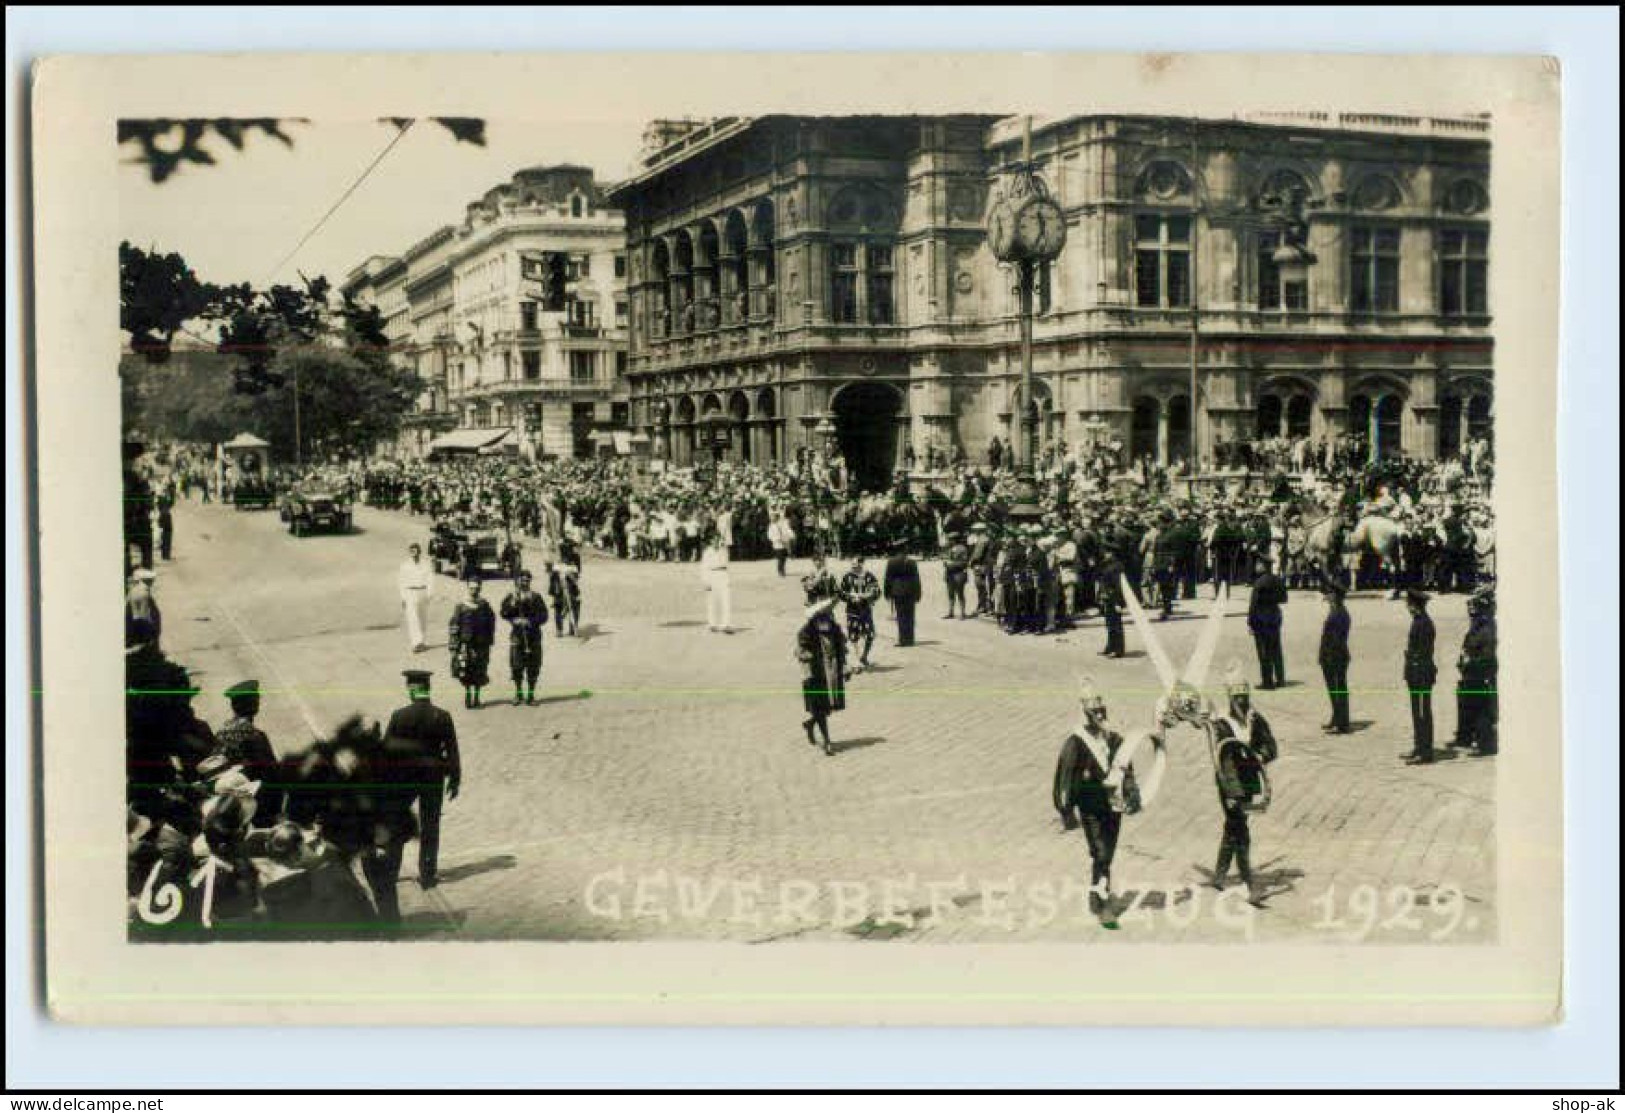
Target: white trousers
[
  {"x": 719, "y": 605},
  {"x": 417, "y": 609}
]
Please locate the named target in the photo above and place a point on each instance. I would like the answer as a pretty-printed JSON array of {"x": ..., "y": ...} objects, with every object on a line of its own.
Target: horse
[
  {"x": 1379, "y": 536},
  {"x": 1317, "y": 549}
]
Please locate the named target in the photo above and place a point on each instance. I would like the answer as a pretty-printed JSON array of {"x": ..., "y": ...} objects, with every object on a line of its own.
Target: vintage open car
[
  {"x": 310, "y": 509},
  {"x": 253, "y": 493},
  {"x": 471, "y": 547}
]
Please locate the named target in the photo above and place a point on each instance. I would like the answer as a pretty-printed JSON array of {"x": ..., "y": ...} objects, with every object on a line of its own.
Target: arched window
[
  {"x": 1390, "y": 415},
  {"x": 763, "y": 269},
  {"x": 705, "y": 278},
  {"x": 1268, "y": 416},
  {"x": 1179, "y": 428},
  {"x": 1299, "y": 415},
  {"x": 1360, "y": 419},
  {"x": 733, "y": 275},
  {"x": 1481, "y": 418},
  {"x": 1451, "y": 411},
  {"x": 660, "y": 272},
  {"x": 682, "y": 284},
  {"x": 1142, "y": 441}
]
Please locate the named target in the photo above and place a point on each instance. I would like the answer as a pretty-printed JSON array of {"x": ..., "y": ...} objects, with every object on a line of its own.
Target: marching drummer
[{"x": 1243, "y": 745}]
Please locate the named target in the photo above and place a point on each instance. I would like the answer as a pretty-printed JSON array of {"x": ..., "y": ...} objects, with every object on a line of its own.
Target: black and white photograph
[
  {"x": 951, "y": 528},
  {"x": 774, "y": 528}
]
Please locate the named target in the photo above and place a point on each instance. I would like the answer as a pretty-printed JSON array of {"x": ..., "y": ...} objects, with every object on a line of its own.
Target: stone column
[{"x": 1162, "y": 433}]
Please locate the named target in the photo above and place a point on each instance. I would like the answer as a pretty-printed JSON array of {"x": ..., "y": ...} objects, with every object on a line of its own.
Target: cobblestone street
[{"x": 664, "y": 789}]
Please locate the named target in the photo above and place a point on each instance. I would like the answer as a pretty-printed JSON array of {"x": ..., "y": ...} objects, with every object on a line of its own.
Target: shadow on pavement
[
  {"x": 474, "y": 869},
  {"x": 856, "y": 743},
  {"x": 569, "y": 698},
  {"x": 681, "y": 622}
]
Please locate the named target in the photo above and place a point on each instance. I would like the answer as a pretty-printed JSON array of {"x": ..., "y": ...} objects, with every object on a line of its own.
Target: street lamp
[{"x": 1026, "y": 227}]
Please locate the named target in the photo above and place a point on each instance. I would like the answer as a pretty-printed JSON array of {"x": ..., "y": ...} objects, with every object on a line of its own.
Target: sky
[{"x": 236, "y": 220}]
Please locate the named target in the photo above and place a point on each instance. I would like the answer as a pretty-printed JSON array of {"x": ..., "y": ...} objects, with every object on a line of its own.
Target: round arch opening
[{"x": 866, "y": 432}]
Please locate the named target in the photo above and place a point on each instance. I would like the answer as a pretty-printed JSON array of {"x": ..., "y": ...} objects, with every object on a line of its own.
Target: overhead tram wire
[{"x": 343, "y": 197}]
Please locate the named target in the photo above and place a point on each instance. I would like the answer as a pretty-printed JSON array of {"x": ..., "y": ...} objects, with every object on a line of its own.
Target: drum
[{"x": 1145, "y": 756}]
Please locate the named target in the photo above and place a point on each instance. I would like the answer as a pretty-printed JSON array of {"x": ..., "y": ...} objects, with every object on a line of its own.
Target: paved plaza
[{"x": 664, "y": 788}]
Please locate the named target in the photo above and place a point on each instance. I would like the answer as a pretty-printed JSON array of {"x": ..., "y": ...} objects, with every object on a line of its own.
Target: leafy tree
[
  {"x": 258, "y": 324},
  {"x": 158, "y": 295},
  {"x": 164, "y": 145}
]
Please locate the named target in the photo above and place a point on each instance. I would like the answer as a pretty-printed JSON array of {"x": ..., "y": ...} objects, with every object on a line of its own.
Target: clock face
[
  {"x": 1041, "y": 229},
  {"x": 1001, "y": 227}
]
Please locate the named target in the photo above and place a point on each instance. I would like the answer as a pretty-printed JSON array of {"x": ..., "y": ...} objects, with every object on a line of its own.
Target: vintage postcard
[{"x": 798, "y": 538}]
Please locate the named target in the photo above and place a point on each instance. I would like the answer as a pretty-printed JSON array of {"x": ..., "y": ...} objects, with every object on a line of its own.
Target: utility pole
[
  {"x": 297, "y": 449},
  {"x": 1191, "y": 465}
]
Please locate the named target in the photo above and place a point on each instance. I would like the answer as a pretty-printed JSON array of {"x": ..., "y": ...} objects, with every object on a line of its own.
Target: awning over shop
[
  {"x": 619, "y": 441},
  {"x": 470, "y": 440}
]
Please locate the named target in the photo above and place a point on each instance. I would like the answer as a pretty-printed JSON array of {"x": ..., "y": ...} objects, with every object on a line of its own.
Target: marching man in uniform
[
  {"x": 470, "y": 633},
  {"x": 1090, "y": 792},
  {"x": 422, "y": 763},
  {"x": 1420, "y": 674},
  {"x": 860, "y": 590},
  {"x": 526, "y": 616},
  {"x": 1243, "y": 745}
]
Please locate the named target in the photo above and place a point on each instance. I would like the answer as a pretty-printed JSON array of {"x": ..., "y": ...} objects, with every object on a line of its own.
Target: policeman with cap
[
  {"x": 526, "y": 616},
  {"x": 1476, "y": 690},
  {"x": 242, "y": 743},
  {"x": 1334, "y": 657},
  {"x": 421, "y": 763},
  {"x": 1420, "y": 674}
]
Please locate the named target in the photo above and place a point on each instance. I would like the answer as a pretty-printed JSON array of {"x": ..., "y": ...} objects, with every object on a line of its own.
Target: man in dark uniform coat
[
  {"x": 421, "y": 763},
  {"x": 956, "y": 571},
  {"x": 1334, "y": 657},
  {"x": 246, "y": 745},
  {"x": 1109, "y": 593},
  {"x": 526, "y": 616},
  {"x": 1168, "y": 558},
  {"x": 1264, "y": 620},
  {"x": 983, "y": 554},
  {"x": 1476, "y": 694},
  {"x": 470, "y": 632},
  {"x": 1085, "y": 796},
  {"x": 902, "y": 587},
  {"x": 1241, "y": 780},
  {"x": 1420, "y": 673},
  {"x": 166, "y": 521}
]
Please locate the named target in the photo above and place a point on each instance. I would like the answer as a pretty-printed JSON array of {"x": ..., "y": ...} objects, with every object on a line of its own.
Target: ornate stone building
[
  {"x": 794, "y": 280},
  {"x": 515, "y": 319}
]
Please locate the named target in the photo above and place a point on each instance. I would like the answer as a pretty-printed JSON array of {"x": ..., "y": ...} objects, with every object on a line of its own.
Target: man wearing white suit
[
  {"x": 719, "y": 592},
  {"x": 415, "y": 581}
]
